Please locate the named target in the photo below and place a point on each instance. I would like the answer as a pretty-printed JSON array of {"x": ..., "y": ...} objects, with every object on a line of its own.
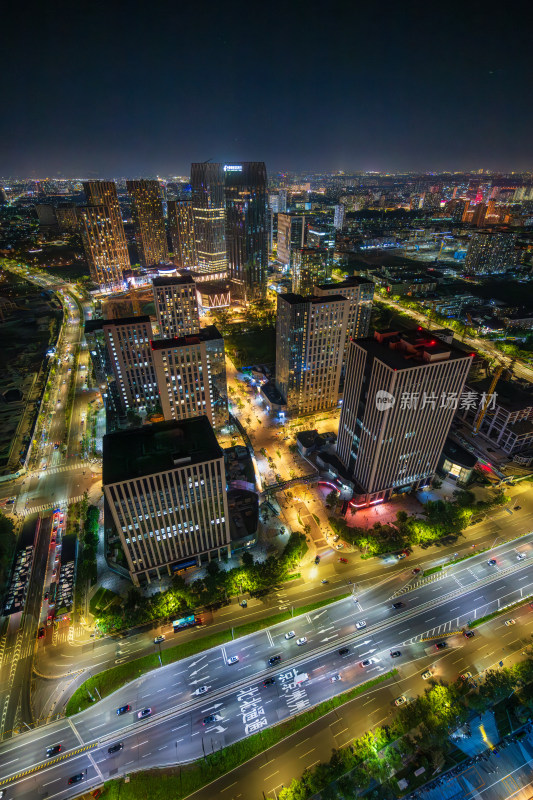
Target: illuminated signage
[{"x": 230, "y": 168}]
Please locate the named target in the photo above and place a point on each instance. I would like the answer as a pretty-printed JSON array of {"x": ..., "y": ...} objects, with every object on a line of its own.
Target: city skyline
[{"x": 392, "y": 90}]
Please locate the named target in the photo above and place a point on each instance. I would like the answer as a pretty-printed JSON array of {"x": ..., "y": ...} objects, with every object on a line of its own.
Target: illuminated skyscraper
[
  {"x": 176, "y": 306},
  {"x": 128, "y": 343},
  {"x": 309, "y": 266},
  {"x": 150, "y": 233},
  {"x": 181, "y": 227},
  {"x": 112, "y": 252},
  {"x": 291, "y": 236},
  {"x": 338, "y": 220},
  {"x": 105, "y": 255},
  {"x": 207, "y": 184},
  {"x": 191, "y": 374},
  {"x": 310, "y": 334},
  {"x": 400, "y": 396},
  {"x": 247, "y": 226}
]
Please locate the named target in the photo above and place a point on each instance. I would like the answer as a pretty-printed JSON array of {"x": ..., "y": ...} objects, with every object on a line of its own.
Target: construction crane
[{"x": 502, "y": 365}]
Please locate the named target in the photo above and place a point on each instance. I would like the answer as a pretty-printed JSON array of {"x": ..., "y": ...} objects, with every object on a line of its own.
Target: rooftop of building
[
  {"x": 144, "y": 319},
  {"x": 509, "y": 394},
  {"x": 209, "y": 333},
  {"x": 407, "y": 348},
  {"x": 160, "y": 447},
  {"x": 173, "y": 280},
  {"x": 347, "y": 283},
  {"x": 297, "y": 299}
]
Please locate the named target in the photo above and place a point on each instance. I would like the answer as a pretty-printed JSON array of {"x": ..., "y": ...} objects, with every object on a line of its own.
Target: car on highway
[
  {"x": 416, "y": 570},
  {"x": 465, "y": 676},
  {"x": 336, "y": 538},
  {"x": 211, "y": 718},
  {"x": 344, "y": 651},
  {"x": 360, "y": 624},
  {"x": 41, "y": 633},
  {"x": 269, "y": 681},
  {"x": 317, "y": 559},
  {"x": 76, "y": 778},
  {"x": 243, "y": 604},
  {"x": 400, "y": 700},
  {"x": 440, "y": 645},
  {"x": 469, "y": 634},
  {"x": 491, "y": 562},
  {"x": 343, "y": 560},
  {"x": 367, "y": 662},
  {"x": 273, "y": 660},
  {"x": 115, "y": 748},
  {"x": 339, "y": 546},
  {"x": 232, "y": 660},
  {"x": 301, "y": 640},
  {"x": 123, "y": 710},
  {"x": 510, "y": 622},
  {"x": 324, "y": 580},
  {"x": 395, "y": 653},
  {"x": 200, "y": 690},
  {"x": 520, "y": 556},
  {"x": 335, "y": 678},
  {"x": 145, "y": 712},
  {"x": 290, "y": 635},
  {"x": 159, "y": 639},
  {"x": 53, "y": 750},
  {"x": 398, "y": 604},
  {"x": 427, "y": 674}
]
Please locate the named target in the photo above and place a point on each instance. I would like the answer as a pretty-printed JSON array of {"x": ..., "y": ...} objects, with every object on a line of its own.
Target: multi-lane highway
[{"x": 236, "y": 693}]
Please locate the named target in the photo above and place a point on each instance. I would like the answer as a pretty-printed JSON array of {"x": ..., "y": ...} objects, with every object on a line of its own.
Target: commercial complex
[
  {"x": 165, "y": 489},
  {"x": 490, "y": 252},
  {"x": 176, "y": 306},
  {"x": 400, "y": 396},
  {"x": 191, "y": 375},
  {"x": 247, "y": 227},
  {"x": 207, "y": 183},
  {"x": 128, "y": 342},
  {"x": 310, "y": 334},
  {"x": 150, "y": 233},
  {"x": 182, "y": 235}
]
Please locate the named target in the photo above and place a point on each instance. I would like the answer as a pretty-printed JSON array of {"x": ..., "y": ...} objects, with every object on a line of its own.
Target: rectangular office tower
[
  {"x": 310, "y": 265},
  {"x": 360, "y": 293},
  {"x": 176, "y": 306},
  {"x": 104, "y": 193},
  {"x": 165, "y": 488},
  {"x": 191, "y": 375},
  {"x": 103, "y": 252},
  {"x": 291, "y": 236},
  {"x": 150, "y": 233},
  {"x": 182, "y": 236},
  {"x": 400, "y": 396},
  {"x": 247, "y": 227},
  {"x": 310, "y": 333},
  {"x": 207, "y": 184},
  {"x": 128, "y": 342}
]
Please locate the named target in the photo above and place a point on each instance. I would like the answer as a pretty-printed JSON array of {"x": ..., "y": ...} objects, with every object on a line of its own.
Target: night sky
[{"x": 123, "y": 89}]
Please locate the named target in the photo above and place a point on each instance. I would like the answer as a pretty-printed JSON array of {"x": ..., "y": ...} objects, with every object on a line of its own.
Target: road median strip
[{"x": 504, "y": 610}]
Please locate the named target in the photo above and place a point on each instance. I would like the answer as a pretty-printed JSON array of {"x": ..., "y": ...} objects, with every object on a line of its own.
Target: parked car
[
  {"x": 427, "y": 674},
  {"x": 400, "y": 700}
]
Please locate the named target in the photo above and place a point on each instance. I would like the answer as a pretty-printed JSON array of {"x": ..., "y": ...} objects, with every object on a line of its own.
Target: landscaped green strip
[
  {"x": 108, "y": 681},
  {"x": 475, "y": 622},
  {"x": 201, "y": 773},
  {"x": 432, "y": 570}
]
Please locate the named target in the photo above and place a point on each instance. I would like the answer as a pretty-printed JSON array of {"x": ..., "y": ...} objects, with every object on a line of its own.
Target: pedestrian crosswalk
[{"x": 49, "y": 506}]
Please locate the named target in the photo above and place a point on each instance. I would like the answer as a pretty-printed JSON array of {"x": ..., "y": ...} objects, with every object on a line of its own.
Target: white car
[
  {"x": 339, "y": 546},
  {"x": 201, "y": 690},
  {"x": 290, "y": 635},
  {"x": 510, "y": 622},
  {"x": 360, "y": 624},
  {"x": 400, "y": 700},
  {"x": 335, "y": 678},
  {"x": 159, "y": 639},
  {"x": 232, "y": 660},
  {"x": 426, "y": 675},
  {"x": 520, "y": 556},
  {"x": 303, "y": 640},
  {"x": 335, "y": 538}
]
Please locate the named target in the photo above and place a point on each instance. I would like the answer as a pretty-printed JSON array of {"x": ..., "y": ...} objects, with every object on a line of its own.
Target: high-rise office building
[
  {"x": 310, "y": 334},
  {"x": 400, "y": 396},
  {"x": 176, "y": 306},
  {"x": 207, "y": 184},
  {"x": 165, "y": 488},
  {"x": 310, "y": 265},
  {"x": 338, "y": 219},
  {"x": 291, "y": 236},
  {"x": 282, "y": 202},
  {"x": 150, "y": 233},
  {"x": 128, "y": 342},
  {"x": 360, "y": 293},
  {"x": 489, "y": 252},
  {"x": 182, "y": 235},
  {"x": 247, "y": 226},
  {"x": 105, "y": 255},
  {"x": 191, "y": 375},
  {"x": 104, "y": 193}
]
